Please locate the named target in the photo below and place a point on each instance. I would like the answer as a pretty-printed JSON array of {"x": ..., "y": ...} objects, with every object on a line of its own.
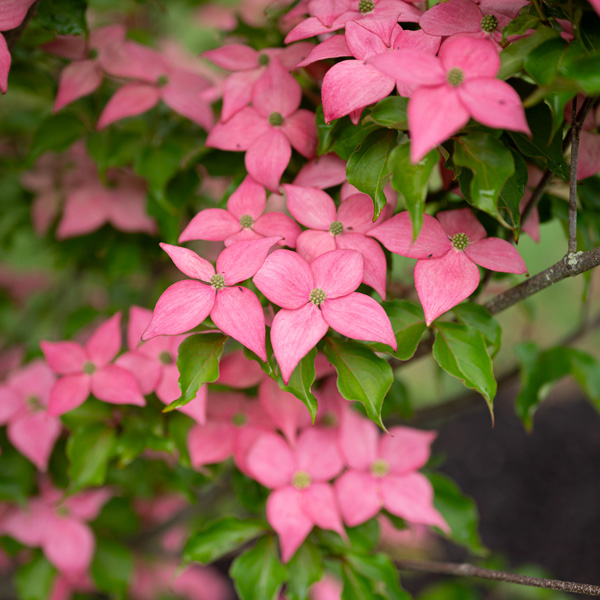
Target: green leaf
[
  {"x": 198, "y": 363},
  {"x": 18, "y": 476},
  {"x": 305, "y": 568},
  {"x": 459, "y": 511},
  {"x": 56, "y": 133},
  {"x": 390, "y": 112},
  {"x": 220, "y": 537},
  {"x": 542, "y": 63},
  {"x": 520, "y": 25},
  {"x": 348, "y": 136},
  {"x": 408, "y": 323},
  {"x": 301, "y": 381},
  {"x": 324, "y": 132},
  {"x": 461, "y": 351},
  {"x": 356, "y": 586},
  {"x": 511, "y": 195},
  {"x": 478, "y": 317},
  {"x": 411, "y": 181},
  {"x": 583, "y": 70},
  {"x": 34, "y": 580},
  {"x": 586, "y": 371},
  {"x": 362, "y": 375},
  {"x": 158, "y": 165},
  {"x": 66, "y": 17},
  {"x": 367, "y": 168},
  {"x": 491, "y": 164},
  {"x": 89, "y": 450},
  {"x": 380, "y": 572},
  {"x": 112, "y": 566},
  {"x": 513, "y": 56},
  {"x": 258, "y": 573}
]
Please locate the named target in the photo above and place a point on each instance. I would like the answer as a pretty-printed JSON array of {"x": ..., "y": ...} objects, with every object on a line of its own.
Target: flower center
[
  {"x": 380, "y": 468},
  {"x": 93, "y": 53},
  {"x": 317, "y": 296},
  {"x": 276, "y": 119},
  {"x": 329, "y": 420},
  {"x": 246, "y": 221},
  {"x": 239, "y": 419},
  {"x": 263, "y": 59},
  {"x": 365, "y": 6},
  {"x": 217, "y": 281},
  {"x": 455, "y": 77},
  {"x": 301, "y": 480},
  {"x": 165, "y": 358},
  {"x": 89, "y": 368},
  {"x": 460, "y": 241},
  {"x": 162, "y": 81},
  {"x": 34, "y": 404},
  {"x": 489, "y": 23},
  {"x": 336, "y": 228}
]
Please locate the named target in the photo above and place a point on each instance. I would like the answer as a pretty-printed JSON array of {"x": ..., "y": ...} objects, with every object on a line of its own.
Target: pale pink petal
[
  {"x": 410, "y": 67},
  {"x": 239, "y": 132},
  {"x": 288, "y": 519},
  {"x": 213, "y": 224},
  {"x": 107, "y": 37},
  {"x": 139, "y": 318},
  {"x": 77, "y": 80},
  {"x": 396, "y": 234},
  {"x": 276, "y": 91},
  {"x": 146, "y": 370},
  {"x": 34, "y": 436},
  {"x": 368, "y": 37},
  {"x": 85, "y": 210},
  {"x": 285, "y": 279},
  {"x": 5, "y": 60},
  {"x": 242, "y": 260},
  {"x": 461, "y": 220},
  {"x": 358, "y": 497},
  {"x": 34, "y": 379},
  {"x": 359, "y": 317},
  {"x": 319, "y": 503},
  {"x": 71, "y": 47},
  {"x": 434, "y": 114},
  {"x": 233, "y": 57},
  {"x": 338, "y": 273},
  {"x": 318, "y": 454},
  {"x": 180, "y": 308},
  {"x": 444, "y": 282},
  {"x": 135, "y": 61},
  {"x": 64, "y": 358},
  {"x": 27, "y": 525},
  {"x": 189, "y": 263},
  {"x": 127, "y": 210},
  {"x": 196, "y": 409},
  {"x": 406, "y": 449},
  {"x": 249, "y": 199},
  {"x": 87, "y": 505},
  {"x": 286, "y": 411},
  {"x": 267, "y": 158},
  {"x": 237, "y": 92},
  {"x": 130, "y": 100},
  {"x": 245, "y": 438},
  {"x": 356, "y": 213},
  {"x": 116, "y": 385},
  {"x": 332, "y": 47},
  {"x": 375, "y": 266},
  {"x": 105, "y": 341},
  {"x": 510, "y": 8},
  {"x": 475, "y": 57},
  {"x": 311, "y": 244},
  {"x": 167, "y": 388},
  {"x": 237, "y": 312},
  {"x": 182, "y": 94},
  {"x": 210, "y": 443},
  {"x": 358, "y": 438},
  {"x": 308, "y": 28},
  {"x": 497, "y": 255},
  {"x": 293, "y": 334},
  {"x": 68, "y": 393},
  {"x": 589, "y": 155},
  {"x": 292, "y": 54},
  {"x": 415, "y": 40},
  {"x": 411, "y": 497},
  {"x": 311, "y": 207},
  {"x": 207, "y": 581},
  {"x": 69, "y": 545},
  {"x": 244, "y": 235},
  {"x": 351, "y": 85},
  {"x": 449, "y": 18},
  {"x": 323, "y": 172},
  {"x": 301, "y": 131},
  {"x": 278, "y": 224},
  {"x": 270, "y": 461},
  {"x": 532, "y": 224},
  {"x": 327, "y": 11},
  {"x": 494, "y": 103},
  {"x": 11, "y": 404},
  {"x": 13, "y": 12},
  {"x": 236, "y": 371}
]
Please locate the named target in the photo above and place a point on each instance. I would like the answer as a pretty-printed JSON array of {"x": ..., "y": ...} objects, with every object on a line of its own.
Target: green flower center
[
  {"x": 217, "y": 281},
  {"x": 162, "y": 81},
  {"x": 89, "y": 368},
  {"x": 93, "y": 53},
  {"x": 455, "y": 77},
  {"x": 263, "y": 59},
  {"x": 380, "y": 468},
  {"x": 336, "y": 228},
  {"x": 246, "y": 221},
  {"x": 301, "y": 480},
  {"x": 239, "y": 419},
  {"x": 489, "y": 23},
  {"x": 165, "y": 358},
  {"x": 317, "y": 296},
  {"x": 276, "y": 119},
  {"x": 329, "y": 420},
  {"x": 365, "y": 6},
  {"x": 460, "y": 241},
  {"x": 34, "y": 404}
]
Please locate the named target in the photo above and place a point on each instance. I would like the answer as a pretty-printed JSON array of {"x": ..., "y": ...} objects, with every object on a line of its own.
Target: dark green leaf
[
  {"x": 305, "y": 568},
  {"x": 198, "y": 363},
  {"x": 112, "y": 566},
  {"x": 390, "y": 112},
  {"x": 583, "y": 70},
  {"x": 586, "y": 371},
  {"x": 356, "y": 587},
  {"x": 478, "y": 317},
  {"x": 34, "y": 580},
  {"x": 66, "y": 17},
  {"x": 348, "y": 136},
  {"x": 56, "y": 133},
  {"x": 301, "y": 381},
  {"x": 367, "y": 168},
  {"x": 543, "y": 62},
  {"x": 89, "y": 450},
  {"x": 158, "y": 165},
  {"x": 324, "y": 132},
  {"x": 365, "y": 536},
  {"x": 520, "y": 25},
  {"x": 513, "y": 56},
  {"x": 411, "y": 181},
  {"x": 511, "y": 195},
  {"x": 381, "y": 572},
  {"x": 258, "y": 573},
  {"x": 362, "y": 375},
  {"x": 18, "y": 476},
  {"x": 220, "y": 537}
]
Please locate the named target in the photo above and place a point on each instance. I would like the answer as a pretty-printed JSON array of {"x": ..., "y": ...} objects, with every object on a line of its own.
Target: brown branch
[
  {"x": 576, "y": 129},
  {"x": 467, "y": 570},
  {"x": 12, "y": 36}
]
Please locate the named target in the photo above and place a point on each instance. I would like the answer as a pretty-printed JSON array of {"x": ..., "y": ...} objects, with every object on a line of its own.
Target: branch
[
  {"x": 467, "y": 570},
  {"x": 576, "y": 129},
  {"x": 12, "y": 36}
]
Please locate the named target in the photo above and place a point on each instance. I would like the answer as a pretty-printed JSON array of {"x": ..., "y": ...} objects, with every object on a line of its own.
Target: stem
[
  {"x": 573, "y": 181},
  {"x": 540, "y": 12},
  {"x": 467, "y": 570}
]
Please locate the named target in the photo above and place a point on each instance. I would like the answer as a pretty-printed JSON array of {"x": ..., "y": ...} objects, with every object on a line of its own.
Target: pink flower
[
  {"x": 588, "y": 163},
  {"x": 269, "y": 128},
  {"x": 243, "y": 220},
  {"x": 328, "y": 588},
  {"x": 302, "y": 497},
  {"x": 237, "y": 371},
  {"x": 449, "y": 250},
  {"x": 154, "y": 365},
  {"x": 459, "y": 84},
  {"x": 313, "y": 298},
  {"x": 382, "y": 473},
  {"x": 88, "y": 369},
  {"x": 322, "y": 172},
  {"x": 23, "y": 401},
  {"x": 235, "y": 310}
]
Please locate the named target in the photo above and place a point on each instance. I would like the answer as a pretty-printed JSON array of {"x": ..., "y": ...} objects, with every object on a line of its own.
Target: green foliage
[
  {"x": 379, "y": 571},
  {"x": 301, "y": 381},
  {"x": 477, "y": 317},
  {"x": 304, "y": 569},
  {"x": 390, "y": 112},
  {"x": 34, "y": 579},
  {"x": 56, "y": 133},
  {"x": 112, "y": 567},
  {"x": 66, "y": 17},
  {"x": 18, "y": 475}
]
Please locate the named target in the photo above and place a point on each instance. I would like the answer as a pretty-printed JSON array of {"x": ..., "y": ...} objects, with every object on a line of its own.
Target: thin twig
[
  {"x": 467, "y": 570},
  {"x": 576, "y": 129}
]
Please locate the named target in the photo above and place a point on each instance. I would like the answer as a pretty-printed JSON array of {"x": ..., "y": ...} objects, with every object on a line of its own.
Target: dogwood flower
[
  {"x": 239, "y": 372},
  {"x": 313, "y": 298}
]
